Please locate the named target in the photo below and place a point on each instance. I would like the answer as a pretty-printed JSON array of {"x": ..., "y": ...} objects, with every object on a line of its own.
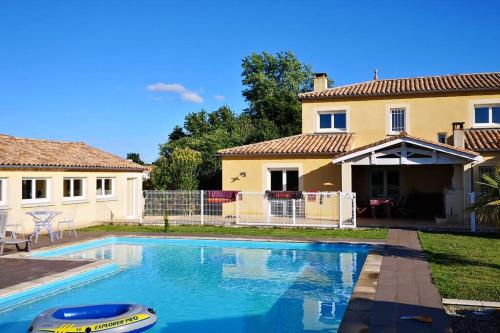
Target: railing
[
  {"x": 489, "y": 226},
  {"x": 306, "y": 209}
]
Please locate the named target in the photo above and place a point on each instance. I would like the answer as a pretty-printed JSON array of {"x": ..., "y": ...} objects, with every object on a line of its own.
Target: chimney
[
  {"x": 458, "y": 134},
  {"x": 375, "y": 75},
  {"x": 320, "y": 81}
]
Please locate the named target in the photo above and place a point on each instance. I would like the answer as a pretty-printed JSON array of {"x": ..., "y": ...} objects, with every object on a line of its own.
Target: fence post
[
  {"x": 202, "y": 209},
  {"x": 354, "y": 211},
  {"x": 472, "y": 198},
  {"x": 340, "y": 210},
  {"x": 293, "y": 211},
  {"x": 238, "y": 208}
]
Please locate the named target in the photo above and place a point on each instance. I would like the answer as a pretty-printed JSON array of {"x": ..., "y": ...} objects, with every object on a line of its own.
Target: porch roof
[{"x": 403, "y": 137}]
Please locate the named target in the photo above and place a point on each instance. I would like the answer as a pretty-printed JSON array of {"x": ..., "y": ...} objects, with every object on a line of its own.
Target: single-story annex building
[{"x": 59, "y": 176}]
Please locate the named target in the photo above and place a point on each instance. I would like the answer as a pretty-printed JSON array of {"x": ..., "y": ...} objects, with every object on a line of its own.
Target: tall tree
[
  {"x": 135, "y": 157},
  {"x": 179, "y": 171},
  {"x": 176, "y": 134},
  {"x": 272, "y": 83}
]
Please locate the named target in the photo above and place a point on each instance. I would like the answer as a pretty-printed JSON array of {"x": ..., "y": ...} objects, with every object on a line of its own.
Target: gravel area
[{"x": 473, "y": 319}]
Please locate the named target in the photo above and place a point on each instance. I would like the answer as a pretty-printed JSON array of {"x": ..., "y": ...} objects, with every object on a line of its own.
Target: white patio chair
[
  {"x": 15, "y": 227},
  {"x": 6, "y": 241},
  {"x": 67, "y": 220}
]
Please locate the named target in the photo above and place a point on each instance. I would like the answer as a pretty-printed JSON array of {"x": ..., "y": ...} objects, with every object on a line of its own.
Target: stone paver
[
  {"x": 15, "y": 271},
  {"x": 405, "y": 288}
]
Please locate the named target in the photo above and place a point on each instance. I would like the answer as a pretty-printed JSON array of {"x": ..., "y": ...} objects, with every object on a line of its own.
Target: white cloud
[
  {"x": 219, "y": 97},
  {"x": 185, "y": 94},
  {"x": 190, "y": 96}
]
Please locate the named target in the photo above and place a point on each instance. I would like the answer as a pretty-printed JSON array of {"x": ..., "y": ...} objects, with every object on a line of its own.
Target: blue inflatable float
[{"x": 106, "y": 318}]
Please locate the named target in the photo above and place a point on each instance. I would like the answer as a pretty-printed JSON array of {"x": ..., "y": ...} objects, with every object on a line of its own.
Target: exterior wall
[
  {"x": 89, "y": 210},
  {"x": 316, "y": 173},
  {"x": 368, "y": 118}
]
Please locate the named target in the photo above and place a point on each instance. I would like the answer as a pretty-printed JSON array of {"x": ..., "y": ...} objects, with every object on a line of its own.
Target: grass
[
  {"x": 464, "y": 266},
  {"x": 244, "y": 231}
]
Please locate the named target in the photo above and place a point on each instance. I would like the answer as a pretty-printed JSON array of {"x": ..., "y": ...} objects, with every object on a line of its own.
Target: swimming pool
[{"x": 213, "y": 285}]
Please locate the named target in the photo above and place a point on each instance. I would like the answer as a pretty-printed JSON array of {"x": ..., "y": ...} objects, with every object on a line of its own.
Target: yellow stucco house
[
  {"x": 61, "y": 176},
  {"x": 422, "y": 142}
]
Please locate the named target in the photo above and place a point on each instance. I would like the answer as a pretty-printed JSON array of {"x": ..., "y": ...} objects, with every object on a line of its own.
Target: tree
[
  {"x": 177, "y": 133},
  {"x": 209, "y": 132},
  {"x": 272, "y": 83},
  {"x": 179, "y": 171},
  {"x": 135, "y": 157},
  {"x": 271, "y": 87},
  {"x": 487, "y": 205}
]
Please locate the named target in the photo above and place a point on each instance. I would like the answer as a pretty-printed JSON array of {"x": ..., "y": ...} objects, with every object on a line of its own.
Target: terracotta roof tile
[
  {"x": 487, "y": 139},
  {"x": 297, "y": 144},
  {"x": 31, "y": 153},
  {"x": 412, "y": 86}
]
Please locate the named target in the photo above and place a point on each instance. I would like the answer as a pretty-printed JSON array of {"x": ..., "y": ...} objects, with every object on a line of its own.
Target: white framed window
[
  {"x": 283, "y": 179},
  {"x": 74, "y": 188},
  {"x": 485, "y": 170},
  {"x": 35, "y": 190},
  {"x": 332, "y": 121},
  {"x": 3, "y": 191},
  {"x": 487, "y": 115},
  {"x": 105, "y": 187},
  {"x": 441, "y": 137},
  {"x": 397, "y": 120}
]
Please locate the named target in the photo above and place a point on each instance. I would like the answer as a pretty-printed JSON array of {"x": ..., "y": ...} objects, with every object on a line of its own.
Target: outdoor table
[
  {"x": 386, "y": 202},
  {"x": 43, "y": 220}
]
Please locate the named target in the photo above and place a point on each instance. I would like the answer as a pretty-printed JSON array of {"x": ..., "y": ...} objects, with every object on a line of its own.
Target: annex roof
[{"x": 31, "y": 153}]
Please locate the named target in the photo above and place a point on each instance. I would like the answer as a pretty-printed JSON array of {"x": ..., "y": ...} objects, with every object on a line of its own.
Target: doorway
[{"x": 131, "y": 198}]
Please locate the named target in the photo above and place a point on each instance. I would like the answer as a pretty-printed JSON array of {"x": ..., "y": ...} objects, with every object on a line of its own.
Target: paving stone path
[
  {"x": 405, "y": 288},
  {"x": 402, "y": 287}
]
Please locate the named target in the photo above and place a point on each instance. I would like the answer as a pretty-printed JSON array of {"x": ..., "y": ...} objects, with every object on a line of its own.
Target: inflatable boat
[{"x": 106, "y": 318}]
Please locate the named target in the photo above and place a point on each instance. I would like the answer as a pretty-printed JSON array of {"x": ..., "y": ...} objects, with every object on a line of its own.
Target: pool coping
[
  {"x": 23, "y": 287},
  {"x": 364, "y": 286},
  {"x": 358, "y": 312}
]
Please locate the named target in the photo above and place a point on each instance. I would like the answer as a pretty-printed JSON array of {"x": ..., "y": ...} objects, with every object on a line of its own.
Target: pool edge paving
[
  {"x": 17, "y": 293},
  {"x": 403, "y": 287}
]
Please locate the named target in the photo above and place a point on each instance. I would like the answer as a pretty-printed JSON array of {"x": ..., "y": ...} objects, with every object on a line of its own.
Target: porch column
[
  {"x": 346, "y": 171},
  {"x": 455, "y": 203},
  {"x": 468, "y": 188}
]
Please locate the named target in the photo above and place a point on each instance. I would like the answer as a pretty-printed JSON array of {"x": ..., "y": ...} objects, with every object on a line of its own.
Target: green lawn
[
  {"x": 464, "y": 266},
  {"x": 274, "y": 232}
]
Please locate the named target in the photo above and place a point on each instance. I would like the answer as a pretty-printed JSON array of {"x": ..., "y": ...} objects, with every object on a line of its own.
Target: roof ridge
[
  {"x": 410, "y": 78},
  {"x": 11, "y": 137}
]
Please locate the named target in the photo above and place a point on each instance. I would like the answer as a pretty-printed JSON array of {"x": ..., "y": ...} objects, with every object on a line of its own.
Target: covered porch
[{"x": 405, "y": 181}]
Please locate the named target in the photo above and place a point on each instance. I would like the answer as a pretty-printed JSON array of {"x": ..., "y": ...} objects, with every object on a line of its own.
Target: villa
[
  {"x": 65, "y": 175},
  {"x": 418, "y": 145}
]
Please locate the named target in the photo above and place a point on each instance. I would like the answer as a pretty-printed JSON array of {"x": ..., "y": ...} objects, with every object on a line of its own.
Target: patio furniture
[
  {"x": 10, "y": 241},
  {"x": 387, "y": 203},
  {"x": 67, "y": 220},
  {"x": 14, "y": 228},
  {"x": 43, "y": 220}
]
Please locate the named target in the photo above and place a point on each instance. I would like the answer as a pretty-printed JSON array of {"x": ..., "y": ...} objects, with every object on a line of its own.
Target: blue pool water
[{"x": 213, "y": 286}]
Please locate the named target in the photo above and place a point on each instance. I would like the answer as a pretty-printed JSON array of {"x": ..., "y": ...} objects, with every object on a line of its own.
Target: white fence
[{"x": 300, "y": 209}]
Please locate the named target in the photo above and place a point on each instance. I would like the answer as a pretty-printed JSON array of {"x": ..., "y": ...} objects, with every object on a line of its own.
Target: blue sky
[{"x": 120, "y": 75}]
